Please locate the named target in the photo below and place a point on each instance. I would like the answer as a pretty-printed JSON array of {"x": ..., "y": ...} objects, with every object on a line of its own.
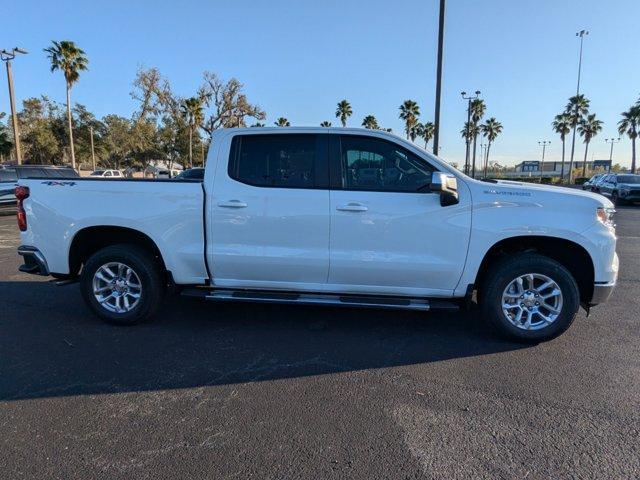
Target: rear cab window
[
  {"x": 8, "y": 175},
  {"x": 280, "y": 160}
]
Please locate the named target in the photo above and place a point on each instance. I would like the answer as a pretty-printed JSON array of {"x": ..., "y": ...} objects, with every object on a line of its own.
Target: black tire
[
  {"x": 509, "y": 268},
  {"x": 147, "y": 269},
  {"x": 616, "y": 199}
]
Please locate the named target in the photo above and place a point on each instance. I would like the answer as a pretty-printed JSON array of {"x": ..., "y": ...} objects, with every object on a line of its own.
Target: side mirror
[{"x": 447, "y": 185}]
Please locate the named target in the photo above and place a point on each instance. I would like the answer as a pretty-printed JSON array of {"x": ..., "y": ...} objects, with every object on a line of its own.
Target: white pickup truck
[{"x": 325, "y": 216}]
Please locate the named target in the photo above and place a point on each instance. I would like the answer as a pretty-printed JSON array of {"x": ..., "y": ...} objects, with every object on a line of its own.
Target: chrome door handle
[
  {"x": 232, "y": 204},
  {"x": 352, "y": 207}
]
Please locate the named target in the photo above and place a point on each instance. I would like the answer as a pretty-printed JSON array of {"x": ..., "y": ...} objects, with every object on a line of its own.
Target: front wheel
[
  {"x": 529, "y": 298},
  {"x": 122, "y": 284}
]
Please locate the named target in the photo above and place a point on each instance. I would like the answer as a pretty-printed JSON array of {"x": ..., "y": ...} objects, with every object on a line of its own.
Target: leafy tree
[
  {"x": 228, "y": 105},
  {"x": 409, "y": 112},
  {"x": 258, "y": 124},
  {"x": 43, "y": 131},
  {"x": 630, "y": 126},
  {"x": 343, "y": 111},
  {"x": 562, "y": 126},
  {"x": 193, "y": 115},
  {"x": 588, "y": 128},
  {"x": 326, "y": 123},
  {"x": 5, "y": 141},
  {"x": 282, "y": 122},
  {"x": 71, "y": 60},
  {"x": 370, "y": 122},
  {"x": 490, "y": 130},
  {"x": 577, "y": 107},
  {"x": 118, "y": 139}
]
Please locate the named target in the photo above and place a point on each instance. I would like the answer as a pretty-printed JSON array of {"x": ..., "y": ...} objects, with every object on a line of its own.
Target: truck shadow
[{"x": 53, "y": 346}]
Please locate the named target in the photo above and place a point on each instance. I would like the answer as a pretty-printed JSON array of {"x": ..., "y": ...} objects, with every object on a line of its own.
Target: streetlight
[
  {"x": 544, "y": 144},
  {"x": 436, "y": 119},
  {"x": 612, "y": 141},
  {"x": 6, "y": 57},
  {"x": 581, "y": 34},
  {"x": 466, "y": 136}
]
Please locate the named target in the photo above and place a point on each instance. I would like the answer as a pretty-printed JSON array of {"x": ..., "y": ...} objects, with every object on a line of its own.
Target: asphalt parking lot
[{"x": 246, "y": 391}]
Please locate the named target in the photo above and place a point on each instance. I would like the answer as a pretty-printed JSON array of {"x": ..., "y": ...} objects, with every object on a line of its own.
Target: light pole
[
  {"x": 581, "y": 34},
  {"x": 612, "y": 141},
  {"x": 466, "y": 127},
  {"x": 436, "y": 120},
  {"x": 7, "y": 56},
  {"x": 544, "y": 144}
]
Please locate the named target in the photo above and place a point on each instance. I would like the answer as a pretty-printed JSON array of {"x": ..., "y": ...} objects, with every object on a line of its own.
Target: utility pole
[
  {"x": 581, "y": 34},
  {"x": 93, "y": 153},
  {"x": 436, "y": 132},
  {"x": 466, "y": 137},
  {"x": 544, "y": 144},
  {"x": 612, "y": 141},
  {"x": 6, "y": 57}
]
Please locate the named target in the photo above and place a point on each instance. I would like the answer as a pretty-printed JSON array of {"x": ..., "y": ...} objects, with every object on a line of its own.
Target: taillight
[{"x": 22, "y": 193}]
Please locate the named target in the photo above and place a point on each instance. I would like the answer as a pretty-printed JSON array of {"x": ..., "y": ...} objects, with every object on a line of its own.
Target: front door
[
  {"x": 389, "y": 233},
  {"x": 270, "y": 206}
]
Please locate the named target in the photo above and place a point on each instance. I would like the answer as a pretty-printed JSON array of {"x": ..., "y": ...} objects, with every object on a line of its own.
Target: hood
[{"x": 536, "y": 188}]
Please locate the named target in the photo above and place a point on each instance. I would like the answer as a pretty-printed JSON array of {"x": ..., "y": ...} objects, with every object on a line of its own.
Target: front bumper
[
  {"x": 34, "y": 261},
  {"x": 601, "y": 293}
]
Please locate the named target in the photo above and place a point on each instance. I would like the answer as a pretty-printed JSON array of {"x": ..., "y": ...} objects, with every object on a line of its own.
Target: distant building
[{"x": 552, "y": 169}]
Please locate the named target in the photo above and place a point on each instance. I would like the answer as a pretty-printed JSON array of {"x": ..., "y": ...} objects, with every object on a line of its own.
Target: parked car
[
  {"x": 592, "y": 182},
  {"x": 196, "y": 173},
  {"x": 9, "y": 176},
  {"x": 346, "y": 217},
  {"x": 621, "y": 188},
  {"x": 107, "y": 174}
]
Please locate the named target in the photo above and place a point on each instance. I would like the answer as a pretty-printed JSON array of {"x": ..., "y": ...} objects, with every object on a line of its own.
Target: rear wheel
[
  {"x": 529, "y": 298},
  {"x": 616, "y": 199},
  {"x": 122, "y": 284}
]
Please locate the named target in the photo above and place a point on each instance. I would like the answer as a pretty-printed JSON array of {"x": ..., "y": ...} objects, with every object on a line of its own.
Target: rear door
[
  {"x": 389, "y": 233},
  {"x": 270, "y": 207}
]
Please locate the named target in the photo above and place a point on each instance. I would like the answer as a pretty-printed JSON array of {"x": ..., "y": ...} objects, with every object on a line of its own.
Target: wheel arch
[
  {"x": 89, "y": 240},
  {"x": 573, "y": 256}
]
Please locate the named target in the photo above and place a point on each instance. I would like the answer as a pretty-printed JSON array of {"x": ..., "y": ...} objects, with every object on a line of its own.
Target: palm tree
[
  {"x": 282, "y": 122},
  {"x": 468, "y": 132},
  {"x": 370, "y": 122},
  {"x": 562, "y": 126},
  {"x": 193, "y": 114},
  {"x": 490, "y": 130},
  {"x": 577, "y": 108},
  {"x": 71, "y": 60},
  {"x": 427, "y": 129},
  {"x": 409, "y": 112},
  {"x": 326, "y": 123},
  {"x": 630, "y": 125},
  {"x": 588, "y": 128},
  {"x": 343, "y": 111},
  {"x": 478, "y": 107}
]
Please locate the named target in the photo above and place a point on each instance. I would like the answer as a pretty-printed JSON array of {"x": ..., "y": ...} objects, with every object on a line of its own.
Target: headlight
[{"x": 605, "y": 215}]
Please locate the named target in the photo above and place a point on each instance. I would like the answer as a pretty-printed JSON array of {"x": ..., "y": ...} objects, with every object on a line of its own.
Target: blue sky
[{"x": 298, "y": 59}]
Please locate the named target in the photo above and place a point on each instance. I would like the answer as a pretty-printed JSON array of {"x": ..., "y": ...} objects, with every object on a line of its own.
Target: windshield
[
  {"x": 97, "y": 173},
  {"x": 629, "y": 179}
]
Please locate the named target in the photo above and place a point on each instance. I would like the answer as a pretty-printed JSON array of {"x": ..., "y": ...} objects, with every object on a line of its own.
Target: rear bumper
[{"x": 34, "y": 261}]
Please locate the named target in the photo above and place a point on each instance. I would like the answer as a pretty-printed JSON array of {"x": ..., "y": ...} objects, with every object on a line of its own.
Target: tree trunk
[
  {"x": 562, "y": 163},
  {"x": 573, "y": 147},
  {"x": 190, "y": 148},
  {"x": 584, "y": 164},
  {"x": 486, "y": 161},
  {"x": 71, "y": 149},
  {"x": 633, "y": 155},
  {"x": 473, "y": 168}
]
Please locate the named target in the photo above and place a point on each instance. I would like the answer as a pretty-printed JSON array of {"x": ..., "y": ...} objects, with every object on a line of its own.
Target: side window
[
  {"x": 31, "y": 172},
  {"x": 378, "y": 165},
  {"x": 8, "y": 175},
  {"x": 284, "y": 161},
  {"x": 107, "y": 174}
]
